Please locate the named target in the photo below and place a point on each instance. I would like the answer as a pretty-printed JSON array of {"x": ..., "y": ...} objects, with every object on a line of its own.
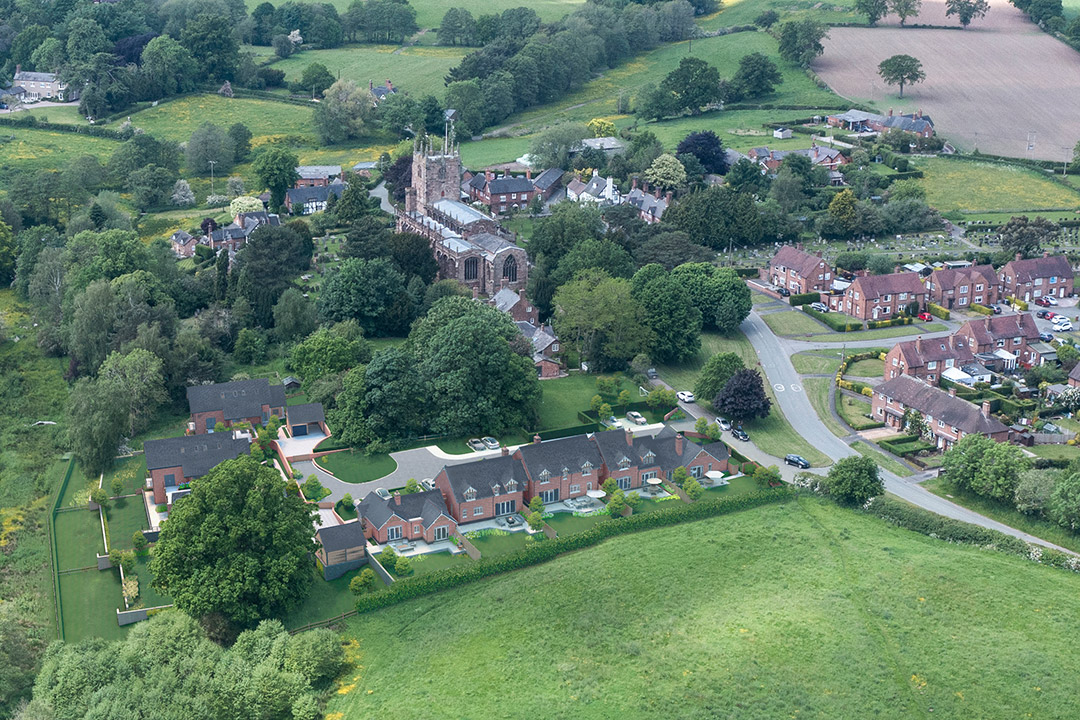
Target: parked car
[
  {"x": 1050, "y": 314},
  {"x": 651, "y": 373},
  {"x": 926, "y": 317},
  {"x": 724, "y": 424},
  {"x": 1046, "y": 337},
  {"x": 490, "y": 443},
  {"x": 685, "y": 396},
  {"x": 635, "y": 417},
  {"x": 1040, "y": 313},
  {"x": 1065, "y": 326},
  {"x": 798, "y": 461},
  {"x": 997, "y": 309},
  {"x": 383, "y": 493},
  {"x": 1050, "y": 300},
  {"x": 427, "y": 484},
  {"x": 784, "y": 292},
  {"x": 476, "y": 445},
  {"x": 740, "y": 434},
  {"x": 820, "y": 307},
  {"x": 1043, "y": 302}
]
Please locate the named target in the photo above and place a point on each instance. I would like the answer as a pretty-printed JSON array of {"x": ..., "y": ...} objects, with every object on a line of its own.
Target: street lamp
[{"x": 212, "y": 163}]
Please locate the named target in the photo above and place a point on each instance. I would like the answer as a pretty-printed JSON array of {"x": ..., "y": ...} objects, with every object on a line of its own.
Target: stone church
[{"x": 468, "y": 244}]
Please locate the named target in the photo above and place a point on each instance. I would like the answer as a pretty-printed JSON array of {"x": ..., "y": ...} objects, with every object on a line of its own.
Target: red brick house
[
  {"x": 1074, "y": 376},
  {"x": 415, "y": 516},
  {"x": 502, "y": 193},
  {"x": 172, "y": 462},
  {"x": 976, "y": 284},
  {"x": 559, "y": 469},
  {"x": 829, "y": 158},
  {"x": 947, "y": 417},
  {"x": 316, "y": 175},
  {"x": 516, "y": 305},
  {"x": 880, "y": 297},
  {"x": 548, "y": 183},
  {"x": 483, "y": 489},
  {"x": 633, "y": 459},
  {"x": 220, "y": 405},
  {"x": 927, "y": 359},
  {"x": 799, "y": 271},
  {"x": 1035, "y": 277},
  {"x": 545, "y": 348},
  {"x": 1004, "y": 335}
]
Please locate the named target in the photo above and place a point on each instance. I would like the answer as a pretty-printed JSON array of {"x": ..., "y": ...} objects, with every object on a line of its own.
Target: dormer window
[
  {"x": 470, "y": 493},
  {"x": 511, "y": 485},
  {"x": 649, "y": 456},
  {"x": 586, "y": 468},
  {"x": 544, "y": 476},
  {"x": 496, "y": 490},
  {"x": 565, "y": 473},
  {"x": 624, "y": 463}
]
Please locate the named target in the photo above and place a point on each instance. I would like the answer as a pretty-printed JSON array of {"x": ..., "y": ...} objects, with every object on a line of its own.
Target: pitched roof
[
  {"x": 596, "y": 185},
  {"x": 505, "y": 300},
  {"x": 872, "y": 286},
  {"x": 341, "y": 537},
  {"x": 490, "y": 244},
  {"x": 483, "y": 476},
  {"x": 499, "y": 186},
  {"x": 918, "y": 352},
  {"x": 553, "y": 456},
  {"x": 575, "y": 186},
  {"x": 365, "y": 165},
  {"x": 659, "y": 449},
  {"x": 603, "y": 143},
  {"x": 319, "y": 193},
  {"x": 35, "y": 76},
  {"x": 303, "y": 414},
  {"x": 238, "y": 399},
  {"x": 939, "y": 404},
  {"x": 647, "y": 203},
  {"x": 1074, "y": 374},
  {"x": 426, "y": 506},
  {"x": 950, "y": 279},
  {"x": 460, "y": 212},
  {"x": 798, "y": 260},
  {"x": 196, "y": 455},
  {"x": 546, "y": 179},
  {"x": 989, "y": 330},
  {"x": 1040, "y": 267},
  {"x": 314, "y": 172},
  {"x": 541, "y": 337}
]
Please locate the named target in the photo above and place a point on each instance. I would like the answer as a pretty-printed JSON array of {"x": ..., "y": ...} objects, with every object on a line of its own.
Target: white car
[
  {"x": 685, "y": 396},
  {"x": 1064, "y": 326},
  {"x": 1051, "y": 300}
]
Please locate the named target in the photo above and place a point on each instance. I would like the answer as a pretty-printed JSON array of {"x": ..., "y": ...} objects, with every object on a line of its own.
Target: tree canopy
[
  {"x": 901, "y": 70},
  {"x": 854, "y": 480},
  {"x": 743, "y": 397}
]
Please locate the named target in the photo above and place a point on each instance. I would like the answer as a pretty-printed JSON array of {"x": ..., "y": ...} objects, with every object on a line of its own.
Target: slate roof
[
  {"x": 505, "y": 300},
  {"x": 477, "y": 181},
  {"x": 614, "y": 449},
  {"x": 939, "y": 404},
  {"x": 180, "y": 237},
  {"x": 12, "y": 91},
  {"x": 951, "y": 279},
  {"x": 29, "y": 75},
  {"x": 491, "y": 244},
  {"x": 800, "y": 261},
  {"x": 341, "y": 537},
  {"x": 238, "y": 399},
  {"x": 503, "y": 185},
  {"x": 872, "y": 286},
  {"x": 988, "y": 330},
  {"x": 303, "y": 414},
  {"x": 321, "y": 193},
  {"x": 426, "y": 506},
  {"x": 596, "y": 185},
  {"x": 1040, "y": 267},
  {"x": 918, "y": 352},
  {"x": 541, "y": 337},
  {"x": 1074, "y": 374},
  {"x": 553, "y": 455},
  {"x": 314, "y": 172},
  {"x": 484, "y": 475},
  {"x": 196, "y": 455},
  {"x": 646, "y": 203},
  {"x": 575, "y": 186},
  {"x": 546, "y": 179}
]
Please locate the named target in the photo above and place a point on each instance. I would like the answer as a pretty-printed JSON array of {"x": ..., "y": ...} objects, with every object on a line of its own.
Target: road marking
[
  {"x": 779, "y": 387},
  {"x": 796, "y": 388}
]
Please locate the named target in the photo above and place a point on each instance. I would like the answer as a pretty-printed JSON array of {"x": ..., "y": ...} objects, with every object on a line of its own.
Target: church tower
[{"x": 436, "y": 173}]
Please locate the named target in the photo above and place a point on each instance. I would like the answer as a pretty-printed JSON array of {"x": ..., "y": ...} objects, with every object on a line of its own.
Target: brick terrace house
[
  {"x": 1029, "y": 279},
  {"x": 947, "y": 417},
  {"x": 415, "y": 516},
  {"x": 548, "y": 183},
  {"x": 175, "y": 461},
  {"x": 962, "y": 287},
  {"x": 559, "y": 469},
  {"x": 316, "y": 175},
  {"x": 799, "y": 271},
  {"x": 341, "y": 548},
  {"x": 927, "y": 359},
  {"x": 880, "y": 297},
  {"x": 1004, "y": 335},
  {"x": 501, "y": 193},
  {"x": 223, "y": 404},
  {"x": 483, "y": 489}
]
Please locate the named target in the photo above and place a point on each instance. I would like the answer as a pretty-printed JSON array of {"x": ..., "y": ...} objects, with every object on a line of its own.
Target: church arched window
[
  {"x": 471, "y": 268},
  {"x": 510, "y": 269}
]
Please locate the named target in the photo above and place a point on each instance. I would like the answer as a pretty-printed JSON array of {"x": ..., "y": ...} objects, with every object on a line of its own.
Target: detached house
[
  {"x": 928, "y": 359},
  {"x": 799, "y": 271},
  {"x": 599, "y": 190},
  {"x": 415, "y": 516},
  {"x": 861, "y": 121},
  {"x": 501, "y": 193},
  {"x": 962, "y": 287},
  {"x": 1010, "y": 338},
  {"x": 1033, "y": 278},
  {"x": 309, "y": 199},
  {"x": 947, "y": 417},
  {"x": 559, "y": 469},
  {"x": 650, "y": 207},
  {"x": 483, "y": 489},
  {"x": 42, "y": 85},
  {"x": 175, "y": 461},
  {"x": 516, "y": 305},
  {"x": 222, "y": 404},
  {"x": 545, "y": 347},
  {"x": 316, "y": 175},
  {"x": 880, "y": 297}
]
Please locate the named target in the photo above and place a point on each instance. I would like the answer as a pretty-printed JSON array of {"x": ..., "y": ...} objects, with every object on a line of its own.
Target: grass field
[
  {"x": 327, "y": 599},
  {"x": 853, "y": 410},
  {"x": 78, "y": 539},
  {"x": 417, "y": 70},
  {"x": 974, "y": 186},
  {"x": 564, "y": 398},
  {"x": 1044, "y": 529},
  {"x": 817, "y": 392},
  {"x": 793, "y": 322},
  {"x": 816, "y": 362},
  {"x": 126, "y": 516},
  {"x": 353, "y": 466},
  {"x": 867, "y": 368},
  {"x": 266, "y": 119},
  {"x": 890, "y": 464},
  {"x": 495, "y": 543},
  {"x": 429, "y": 563},
  {"x": 743, "y": 12},
  {"x": 796, "y": 610},
  {"x": 47, "y": 150},
  {"x": 429, "y": 13},
  {"x": 131, "y": 471}
]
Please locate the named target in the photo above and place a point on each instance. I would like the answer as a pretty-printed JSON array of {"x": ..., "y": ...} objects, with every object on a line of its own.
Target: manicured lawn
[
  {"x": 816, "y": 362},
  {"x": 793, "y": 322},
  {"x": 882, "y": 333},
  {"x": 353, "y": 466},
  {"x": 78, "y": 539},
  {"x": 126, "y": 516},
  {"x": 975, "y": 186},
  {"x": 416, "y": 70},
  {"x": 78, "y": 488},
  {"x": 1040, "y": 528},
  {"x": 564, "y": 397},
  {"x": 759, "y": 299},
  {"x": 817, "y": 391},
  {"x": 148, "y": 596},
  {"x": 736, "y": 486},
  {"x": 327, "y": 599},
  {"x": 891, "y": 623},
  {"x": 493, "y": 543},
  {"x": 867, "y": 368},
  {"x": 89, "y": 600},
  {"x": 855, "y": 411},
  {"x": 131, "y": 471},
  {"x": 650, "y": 505},
  {"x": 430, "y": 562},
  {"x": 889, "y": 463},
  {"x": 1056, "y": 452},
  {"x": 567, "y": 524}
]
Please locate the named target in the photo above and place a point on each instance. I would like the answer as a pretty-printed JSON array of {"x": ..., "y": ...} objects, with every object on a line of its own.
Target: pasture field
[
  {"x": 418, "y": 70},
  {"x": 743, "y": 12},
  {"x": 48, "y": 150},
  {"x": 429, "y": 13},
  {"x": 802, "y": 610},
  {"x": 960, "y": 185},
  {"x": 266, "y": 119},
  {"x": 968, "y": 72}
]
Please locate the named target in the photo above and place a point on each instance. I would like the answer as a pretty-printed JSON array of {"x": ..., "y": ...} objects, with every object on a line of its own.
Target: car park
[
  {"x": 820, "y": 307},
  {"x": 383, "y": 493},
  {"x": 740, "y": 434},
  {"x": 476, "y": 445},
  {"x": 724, "y": 424},
  {"x": 685, "y": 396},
  {"x": 926, "y": 317},
  {"x": 1046, "y": 337},
  {"x": 635, "y": 417},
  {"x": 490, "y": 443},
  {"x": 798, "y": 461}
]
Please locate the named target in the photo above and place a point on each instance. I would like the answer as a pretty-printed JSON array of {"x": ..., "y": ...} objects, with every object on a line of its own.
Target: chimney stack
[
  {"x": 918, "y": 344},
  {"x": 370, "y": 85},
  {"x": 890, "y": 112},
  {"x": 389, "y": 85},
  {"x": 629, "y": 437},
  {"x": 986, "y": 409},
  {"x": 678, "y": 443},
  {"x": 528, "y": 174},
  {"x": 1019, "y": 256},
  {"x": 656, "y": 193},
  {"x": 397, "y": 497},
  {"x": 896, "y": 268},
  {"x": 521, "y": 295},
  {"x": 536, "y": 439},
  {"x": 1046, "y": 253},
  {"x": 645, "y": 186},
  {"x": 489, "y": 175},
  {"x": 952, "y": 392}
]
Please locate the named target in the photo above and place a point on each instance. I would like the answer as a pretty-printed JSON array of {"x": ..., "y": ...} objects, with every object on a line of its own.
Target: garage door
[{"x": 298, "y": 430}]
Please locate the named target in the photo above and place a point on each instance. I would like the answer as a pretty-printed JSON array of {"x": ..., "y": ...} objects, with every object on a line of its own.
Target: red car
[
  {"x": 926, "y": 317},
  {"x": 1051, "y": 315},
  {"x": 1042, "y": 301}
]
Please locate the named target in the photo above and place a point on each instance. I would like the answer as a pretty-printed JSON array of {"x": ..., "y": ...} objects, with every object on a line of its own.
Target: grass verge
[
  {"x": 817, "y": 391},
  {"x": 891, "y": 464}
]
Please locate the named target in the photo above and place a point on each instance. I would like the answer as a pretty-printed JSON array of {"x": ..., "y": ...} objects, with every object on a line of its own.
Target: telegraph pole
[{"x": 212, "y": 163}]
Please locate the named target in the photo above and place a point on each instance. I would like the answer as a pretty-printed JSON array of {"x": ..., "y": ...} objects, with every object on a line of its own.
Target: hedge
[
  {"x": 30, "y": 121},
  {"x": 981, "y": 309},
  {"x": 889, "y": 443},
  {"x": 837, "y": 321},
  {"x": 536, "y": 553},
  {"x": 927, "y": 523},
  {"x": 938, "y": 311},
  {"x": 804, "y": 299},
  {"x": 853, "y": 386},
  {"x": 746, "y": 272},
  {"x": 748, "y": 467},
  {"x": 874, "y": 324}
]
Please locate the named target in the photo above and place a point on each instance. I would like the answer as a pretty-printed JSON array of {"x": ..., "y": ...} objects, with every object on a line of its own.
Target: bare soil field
[{"x": 987, "y": 86}]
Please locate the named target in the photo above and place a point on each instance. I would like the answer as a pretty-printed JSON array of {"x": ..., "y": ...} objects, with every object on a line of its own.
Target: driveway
[{"x": 298, "y": 446}]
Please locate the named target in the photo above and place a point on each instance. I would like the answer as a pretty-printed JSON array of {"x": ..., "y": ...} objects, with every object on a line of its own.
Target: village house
[
  {"x": 176, "y": 461},
  {"x": 230, "y": 237},
  {"x": 312, "y": 198},
  {"x": 516, "y": 305},
  {"x": 12, "y": 96},
  {"x": 947, "y": 418},
  {"x": 962, "y": 287},
  {"x": 928, "y": 359},
  {"x": 1074, "y": 376},
  {"x": 548, "y": 183},
  {"x": 483, "y": 489},
  {"x": 829, "y": 158},
  {"x": 599, "y": 190},
  {"x": 341, "y": 548},
  {"x": 43, "y": 85},
  {"x": 633, "y": 459},
  {"x": 381, "y": 92},
  {"x": 1035, "y": 277},
  {"x": 409, "y": 516},
  {"x": 502, "y": 193},
  {"x": 880, "y": 297},
  {"x": 545, "y": 348},
  {"x": 220, "y": 405},
  {"x": 799, "y": 271},
  {"x": 559, "y": 469},
  {"x": 650, "y": 207},
  {"x": 1008, "y": 337},
  {"x": 859, "y": 121},
  {"x": 316, "y": 175}
]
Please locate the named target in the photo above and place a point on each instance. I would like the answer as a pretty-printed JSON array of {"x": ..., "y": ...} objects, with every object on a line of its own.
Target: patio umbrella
[
  {"x": 714, "y": 475},
  {"x": 655, "y": 481},
  {"x": 596, "y": 494}
]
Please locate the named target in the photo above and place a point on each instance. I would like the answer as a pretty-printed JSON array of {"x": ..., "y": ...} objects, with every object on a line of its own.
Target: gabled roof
[
  {"x": 646, "y": 203},
  {"x": 1040, "y": 267},
  {"x": 506, "y": 299},
  {"x": 541, "y": 337},
  {"x": 303, "y": 414},
  {"x": 196, "y": 455},
  {"x": 35, "y": 76},
  {"x": 918, "y": 352},
  {"x": 802, "y": 262},
  {"x": 425, "y": 506},
  {"x": 950, "y": 279},
  {"x": 315, "y": 172},
  {"x": 1074, "y": 374},
  {"x": 989, "y": 330},
  {"x": 460, "y": 212},
  {"x": 500, "y": 186},
  {"x": 596, "y": 185},
  {"x": 319, "y": 193},
  {"x": 483, "y": 476},
  {"x": 575, "y": 186},
  {"x": 488, "y": 243},
  {"x": 238, "y": 399},
  {"x": 546, "y": 179},
  {"x": 872, "y": 286},
  {"x": 341, "y": 537},
  {"x": 645, "y": 451},
  {"x": 553, "y": 455},
  {"x": 939, "y": 404},
  {"x": 180, "y": 237}
]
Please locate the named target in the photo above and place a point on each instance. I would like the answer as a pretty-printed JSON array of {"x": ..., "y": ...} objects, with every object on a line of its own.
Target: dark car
[
  {"x": 784, "y": 292},
  {"x": 997, "y": 309},
  {"x": 1046, "y": 337},
  {"x": 1038, "y": 313},
  {"x": 798, "y": 461},
  {"x": 740, "y": 434},
  {"x": 651, "y": 373}
]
